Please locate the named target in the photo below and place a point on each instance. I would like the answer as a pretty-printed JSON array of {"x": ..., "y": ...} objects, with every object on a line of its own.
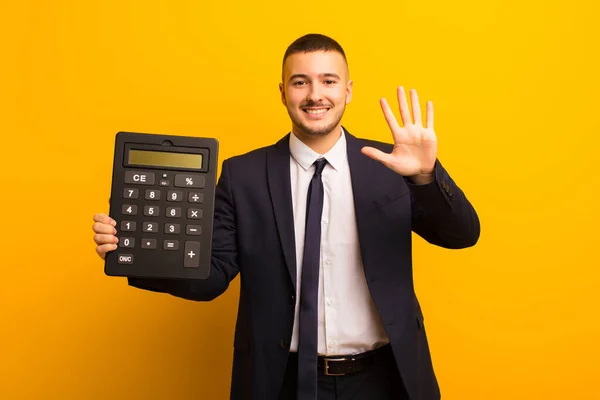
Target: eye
[
  {"x": 298, "y": 83},
  {"x": 329, "y": 82}
]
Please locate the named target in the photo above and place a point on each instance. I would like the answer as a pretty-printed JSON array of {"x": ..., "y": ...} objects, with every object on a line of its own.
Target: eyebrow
[{"x": 325, "y": 75}]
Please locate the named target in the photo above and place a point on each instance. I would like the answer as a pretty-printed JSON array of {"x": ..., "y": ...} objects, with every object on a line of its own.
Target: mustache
[{"x": 312, "y": 104}]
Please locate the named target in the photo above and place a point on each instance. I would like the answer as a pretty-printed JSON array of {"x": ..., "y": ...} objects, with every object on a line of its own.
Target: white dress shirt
[{"x": 348, "y": 320}]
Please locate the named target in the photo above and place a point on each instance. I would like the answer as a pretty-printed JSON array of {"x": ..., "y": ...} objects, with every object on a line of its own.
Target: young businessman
[{"x": 319, "y": 227}]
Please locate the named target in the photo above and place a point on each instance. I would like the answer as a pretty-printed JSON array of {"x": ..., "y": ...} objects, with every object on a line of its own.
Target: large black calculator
[{"x": 162, "y": 198}]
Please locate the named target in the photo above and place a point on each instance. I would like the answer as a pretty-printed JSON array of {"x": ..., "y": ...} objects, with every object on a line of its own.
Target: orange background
[{"x": 515, "y": 87}]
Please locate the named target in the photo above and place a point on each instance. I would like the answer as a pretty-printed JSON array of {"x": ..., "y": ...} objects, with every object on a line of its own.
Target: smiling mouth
[{"x": 315, "y": 111}]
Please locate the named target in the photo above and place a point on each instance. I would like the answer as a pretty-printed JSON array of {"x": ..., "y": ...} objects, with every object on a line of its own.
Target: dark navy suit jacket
[{"x": 253, "y": 235}]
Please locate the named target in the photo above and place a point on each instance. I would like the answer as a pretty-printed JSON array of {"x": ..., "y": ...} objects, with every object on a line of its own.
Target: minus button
[{"x": 193, "y": 230}]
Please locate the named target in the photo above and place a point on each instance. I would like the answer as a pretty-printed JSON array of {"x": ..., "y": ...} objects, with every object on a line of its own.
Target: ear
[
  {"x": 282, "y": 91},
  {"x": 349, "y": 91}
]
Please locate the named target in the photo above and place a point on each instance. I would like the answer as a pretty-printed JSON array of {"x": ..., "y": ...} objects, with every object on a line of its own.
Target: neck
[{"x": 319, "y": 144}]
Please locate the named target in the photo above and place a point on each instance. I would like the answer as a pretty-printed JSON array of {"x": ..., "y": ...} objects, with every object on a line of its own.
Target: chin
[{"x": 316, "y": 131}]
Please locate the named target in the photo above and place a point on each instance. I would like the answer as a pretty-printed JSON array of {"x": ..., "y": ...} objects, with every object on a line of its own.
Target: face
[{"x": 315, "y": 91}]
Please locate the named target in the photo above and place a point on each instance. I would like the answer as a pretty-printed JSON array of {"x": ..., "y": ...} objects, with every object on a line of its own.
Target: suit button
[{"x": 285, "y": 344}]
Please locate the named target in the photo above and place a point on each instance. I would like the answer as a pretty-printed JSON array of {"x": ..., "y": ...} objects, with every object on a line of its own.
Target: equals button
[{"x": 170, "y": 245}]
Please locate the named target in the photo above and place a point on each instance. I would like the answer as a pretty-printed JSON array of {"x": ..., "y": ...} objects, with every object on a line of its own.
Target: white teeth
[{"x": 316, "y": 112}]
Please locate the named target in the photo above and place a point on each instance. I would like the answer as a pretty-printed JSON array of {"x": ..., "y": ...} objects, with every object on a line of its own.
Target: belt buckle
[{"x": 326, "y": 366}]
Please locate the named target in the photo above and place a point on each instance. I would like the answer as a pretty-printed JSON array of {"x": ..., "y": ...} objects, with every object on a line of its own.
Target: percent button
[{"x": 189, "y": 180}]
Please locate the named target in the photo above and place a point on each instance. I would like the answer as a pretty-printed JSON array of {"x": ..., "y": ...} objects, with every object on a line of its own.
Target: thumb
[{"x": 378, "y": 155}]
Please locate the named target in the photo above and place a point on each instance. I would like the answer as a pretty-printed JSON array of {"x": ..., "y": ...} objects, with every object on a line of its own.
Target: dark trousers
[{"x": 379, "y": 381}]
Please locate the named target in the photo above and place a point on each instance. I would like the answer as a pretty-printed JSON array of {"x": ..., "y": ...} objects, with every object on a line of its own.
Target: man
[{"x": 319, "y": 227}]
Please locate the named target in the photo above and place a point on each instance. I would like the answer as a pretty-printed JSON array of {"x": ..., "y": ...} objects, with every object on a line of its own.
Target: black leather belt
[{"x": 343, "y": 365}]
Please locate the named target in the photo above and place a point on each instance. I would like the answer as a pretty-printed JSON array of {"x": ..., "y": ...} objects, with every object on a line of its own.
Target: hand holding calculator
[{"x": 162, "y": 198}]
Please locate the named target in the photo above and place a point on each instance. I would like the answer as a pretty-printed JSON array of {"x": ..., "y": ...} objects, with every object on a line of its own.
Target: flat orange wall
[{"x": 515, "y": 87}]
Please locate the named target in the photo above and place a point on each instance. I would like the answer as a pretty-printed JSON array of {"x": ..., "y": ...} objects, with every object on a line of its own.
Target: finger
[
  {"x": 105, "y": 219},
  {"x": 101, "y": 238},
  {"x": 429, "y": 115},
  {"x": 416, "y": 107},
  {"x": 105, "y": 248},
  {"x": 389, "y": 115},
  {"x": 100, "y": 227},
  {"x": 399, "y": 134},
  {"x": 403, "y": 104}
]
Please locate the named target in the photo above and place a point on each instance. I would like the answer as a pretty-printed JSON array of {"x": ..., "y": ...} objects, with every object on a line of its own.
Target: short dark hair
[{"x": 313, "y": 42}]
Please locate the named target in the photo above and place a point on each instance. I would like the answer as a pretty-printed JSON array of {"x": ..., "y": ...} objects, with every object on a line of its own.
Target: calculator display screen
[{"x": 165, "y": 159}]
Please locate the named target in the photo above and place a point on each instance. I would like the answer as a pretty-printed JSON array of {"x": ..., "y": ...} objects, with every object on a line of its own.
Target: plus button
[{"x": 192, "y": 254}]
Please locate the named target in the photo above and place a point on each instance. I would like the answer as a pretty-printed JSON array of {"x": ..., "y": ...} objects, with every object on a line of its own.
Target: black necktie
[{"x": 308, "y": 322}]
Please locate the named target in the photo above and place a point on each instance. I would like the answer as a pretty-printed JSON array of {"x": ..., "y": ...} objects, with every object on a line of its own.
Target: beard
[{"x": 316, "y": 131}]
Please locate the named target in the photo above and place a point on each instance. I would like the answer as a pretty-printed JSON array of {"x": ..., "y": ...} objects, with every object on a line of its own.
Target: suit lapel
[
  {"x": 362, "y": 173},
  {"x": 278, "y": 175},
  {"x": 361, "y": 168}
]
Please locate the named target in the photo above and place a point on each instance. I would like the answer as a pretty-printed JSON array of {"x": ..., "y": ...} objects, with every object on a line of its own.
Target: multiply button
[
  {"x": 191, "y": 255},
  {"x": 140, "y": 178},
  {"x": 194, "y": 213},
  {"x": 189, "y": 180}
]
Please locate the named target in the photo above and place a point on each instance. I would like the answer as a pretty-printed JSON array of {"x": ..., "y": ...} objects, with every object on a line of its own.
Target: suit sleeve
[
  {"x": 442, "y": 214},
  {"x": 223, "y": 266}
]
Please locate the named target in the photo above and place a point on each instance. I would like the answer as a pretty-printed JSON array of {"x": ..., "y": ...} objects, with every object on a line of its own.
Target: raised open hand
[{"x": 415, "y": 145}]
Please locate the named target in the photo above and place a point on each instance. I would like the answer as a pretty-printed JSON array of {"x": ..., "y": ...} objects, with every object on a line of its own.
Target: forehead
[{"x": 315, "y": 63}]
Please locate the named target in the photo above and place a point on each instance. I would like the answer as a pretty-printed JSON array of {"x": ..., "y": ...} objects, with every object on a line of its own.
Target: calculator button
[
  {"x": 140, "y": 178},
  {"x": 148, "y": 243},
  {"x": 125, "y": 259},
  {"x": 189, "y": 180},
  {"x": 193, "y": 230},
  {"x": 174, "y": 195},
  {"x": 170, "y": 245},
  {"x": 151, "y": 227},
  {"x": 152, "y": 194},
  {"x": 174, "y": 212},
  {"x": 192, "y": 255},
  {"x": 129, "y": 209},
  {"x": 128, "y": 226},
  {"x": 195, "y": 197},
  {"x": 151, "y": 211},
  {"x": 172, "y": 228},
  {"x": 128, "y": 242},
  {"x": 131, "y": 193},
  {"x": 164, "y": 182},
  {"x": 194, "y": 213}
]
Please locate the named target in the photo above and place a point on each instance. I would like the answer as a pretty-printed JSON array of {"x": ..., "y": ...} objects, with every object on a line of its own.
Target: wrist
[{"x": 421, "y": 179}]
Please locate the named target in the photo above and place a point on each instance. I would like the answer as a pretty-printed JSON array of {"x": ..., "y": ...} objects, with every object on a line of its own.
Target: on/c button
[{"x": 125, "y": 259}]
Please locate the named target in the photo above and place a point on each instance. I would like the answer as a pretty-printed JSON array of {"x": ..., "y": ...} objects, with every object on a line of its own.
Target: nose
[{"x": 314, "y": 94}]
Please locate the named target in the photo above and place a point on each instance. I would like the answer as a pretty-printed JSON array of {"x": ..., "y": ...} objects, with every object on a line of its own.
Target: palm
[{"x": 415, "y": 145}]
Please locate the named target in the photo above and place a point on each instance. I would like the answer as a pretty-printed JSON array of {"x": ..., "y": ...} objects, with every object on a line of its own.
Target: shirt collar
[{"x": 305, "y": 156}]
